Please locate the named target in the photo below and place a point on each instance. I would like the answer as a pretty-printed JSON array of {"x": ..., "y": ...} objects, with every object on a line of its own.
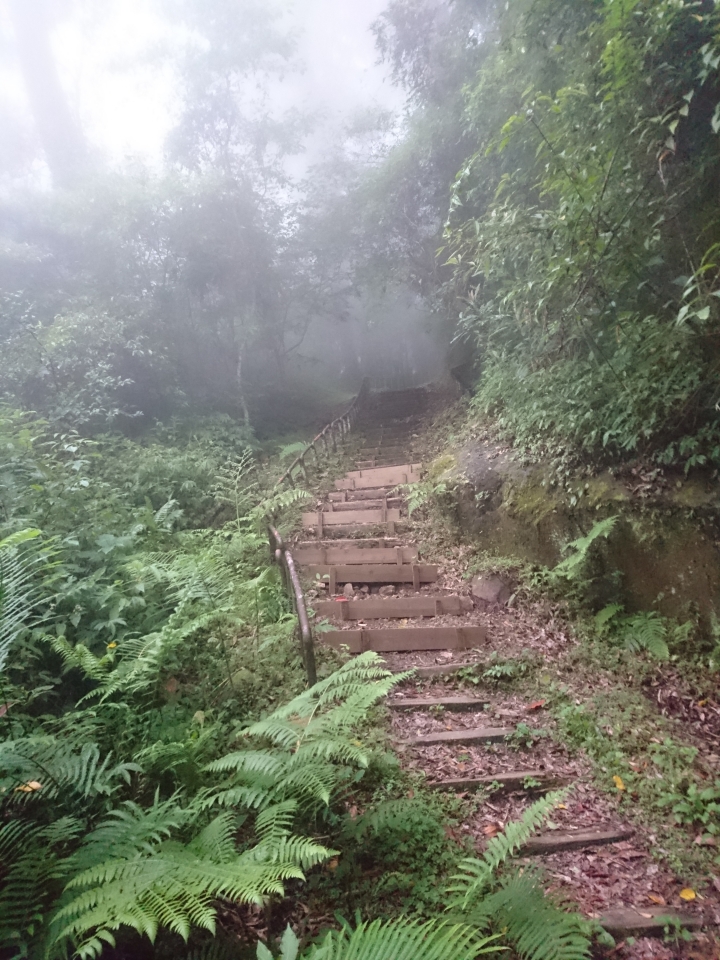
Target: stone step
[
  {"x": 415, "y": 573},
  {"x": 514, "y": 780},
  {"x": 469, "y": 736},
  {"x": 393, "y": 640},
  {"x": 555, "y": 841},
  {"x": 457, "y": 704},
  {"x": 392, "y": 608},
  {"x": 623, "y": 922},
  {"x": 329, "y": 554},
  {"x": 320, "y": 519}
]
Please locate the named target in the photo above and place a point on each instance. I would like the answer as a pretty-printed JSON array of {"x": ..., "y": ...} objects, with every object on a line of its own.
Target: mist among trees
[{"x": 521, "y": 196}]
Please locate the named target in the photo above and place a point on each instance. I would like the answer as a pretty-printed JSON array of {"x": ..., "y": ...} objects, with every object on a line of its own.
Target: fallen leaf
[
  {"x": 656, "y": 898},
  {"x": 648, "y": 916},
  {"x": 618, "y": 782},
  {"x": 705, "y": 841},
  {"x": 537, "y": 704},
  {"x": 411, "y": 794},
  {"x": 172, "y": 686},
  {"x": 353, "y": 811},
  {"x": 29, "y": 787},
  {"x": 687, "y": 894},
  {"x": 333, "y": 864},
  {"x": 492, "y": 829},
  {"x": 701, "y": 703},
  {"x": 561, "y": 806}
]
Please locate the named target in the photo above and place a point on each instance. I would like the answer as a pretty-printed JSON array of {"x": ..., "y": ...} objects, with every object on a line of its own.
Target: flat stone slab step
[
  {"x": 447, "y": 703},
  {"x": 415, "y": 573},
  {"x": 320, "y": 519},
  {"x": 624, "y": 922},
  {"x": 327, "y": 554},
  {"x": 392, "y": 608},
  {"x": 514, "y": 780},
  {"x": 470, "y": 736},
  {"x": 556, "y": 841},
  {"x": 407, "y": 639}
]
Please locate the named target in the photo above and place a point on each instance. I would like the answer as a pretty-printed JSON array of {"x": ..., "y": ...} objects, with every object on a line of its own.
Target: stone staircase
[{"x": 378, "y": 594}]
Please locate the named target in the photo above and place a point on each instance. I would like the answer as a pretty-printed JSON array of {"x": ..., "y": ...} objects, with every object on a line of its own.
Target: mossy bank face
[{"x": 664, "y": 551}]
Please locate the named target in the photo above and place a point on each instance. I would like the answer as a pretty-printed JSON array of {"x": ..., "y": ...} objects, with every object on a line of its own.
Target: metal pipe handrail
[
  {"x": 292, "y": 584},
  {"x": 342, "y": 424},
  {"x": 279, "y": 549}
]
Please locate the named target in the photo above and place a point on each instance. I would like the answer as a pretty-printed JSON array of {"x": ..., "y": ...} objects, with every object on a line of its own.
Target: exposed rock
[
  {"x": 365, "y": 589},
  {"x": 490, "y": 591},
  {"x": 349, "y": 590},
  {"x": 387, "y": 591}
]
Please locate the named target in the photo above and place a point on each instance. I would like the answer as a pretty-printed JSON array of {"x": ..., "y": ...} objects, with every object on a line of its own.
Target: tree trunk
[{"x": 62, "y": 140}]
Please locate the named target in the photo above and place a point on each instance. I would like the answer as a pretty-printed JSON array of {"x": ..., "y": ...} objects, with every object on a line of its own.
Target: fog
[{"x": 214, "y": 137}]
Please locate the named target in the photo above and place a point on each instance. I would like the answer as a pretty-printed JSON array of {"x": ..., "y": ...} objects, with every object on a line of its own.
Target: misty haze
[{"x": 359, "y": 479}]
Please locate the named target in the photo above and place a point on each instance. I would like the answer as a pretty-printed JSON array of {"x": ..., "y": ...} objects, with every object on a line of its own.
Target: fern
[
  {"x": 19, "y": 593},
  {"x": 157, "y": 882},
  {"x": 646, "y": 631},
  {"x": 478, "y": 875},
  {"x": 571, "y": 567},
  {"x": 536, "y": 926},
  {"x": 389, "y": 940},
  {"x": 57, "y": 768}
]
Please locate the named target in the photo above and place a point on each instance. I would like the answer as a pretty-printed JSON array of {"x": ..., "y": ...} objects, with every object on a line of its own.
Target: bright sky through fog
[{"x": 111, "y": 59}]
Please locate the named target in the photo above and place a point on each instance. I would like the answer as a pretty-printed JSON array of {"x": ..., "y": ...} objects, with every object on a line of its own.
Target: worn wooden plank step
[
  {"x": 455, "y": 704},
  {"x": 362, "y": 529},
  {"x": 622, "y": 922},
  {"x": 408, "y": 639},
  {"x": 434, "y": 670},
  {"x": 556, "y": 841},
  {"x": 364, "y": 543},
  {"x": 327, "y": 555},
  {"x": 379, "y": 462},
  {"x": 469, "y": 736},
  {"x": 376, "y": 572},
  {"x": 513, "y": 780},
  {"x": 354, "y": 496},
  {"x": 393, "y": 608},
  {"x": 376, "y": 473},
  {"x": 368, "y": 482},
  {"x": 335, "y": 506},
  {"x": 345, "y": 517}
]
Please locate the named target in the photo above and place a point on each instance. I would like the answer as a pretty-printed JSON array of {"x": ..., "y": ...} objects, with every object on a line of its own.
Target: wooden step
[
  {"x": 368, "y": 482},
  {"x": 514, "y": 780},
  {"x": 377, "y": 473},
  {"x": 326, "y": 554},
  {"x": 415, "y": 573},
  {"x": 363, "y": 530},
  {"x": 556, "y": 841},
  {"x": 335, "y": 506},
  {"x": 355, "y": 496},
  {"x": 393, "y": 608},
  {"x": 348, "y": 517},
  {"x": 393, "y": 640},
  {"x": 434, "y": 670},
  {"x": 622, "y": 922},
  {"x": 456, "y": 704},
  {"x": 470, "y": 736}
]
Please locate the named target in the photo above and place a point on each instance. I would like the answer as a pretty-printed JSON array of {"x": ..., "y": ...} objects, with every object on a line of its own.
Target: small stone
[
  {"x": 365, "y": 589},
  {"x": 349, "y": 590},
  {"x": 387, "y": 591},
  {"x": 489, "y": 591}
]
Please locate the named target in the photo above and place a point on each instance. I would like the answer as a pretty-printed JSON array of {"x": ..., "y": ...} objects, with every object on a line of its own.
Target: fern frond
[
  {"x": 478, "y": 874},
  {"x": 19, "y": 591},
  {"x": 401, "y": 940},
  {"x": 536, "y": 926},
  {"x": 58, "y": 767},
  {"x": 646, "y": 631}
]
